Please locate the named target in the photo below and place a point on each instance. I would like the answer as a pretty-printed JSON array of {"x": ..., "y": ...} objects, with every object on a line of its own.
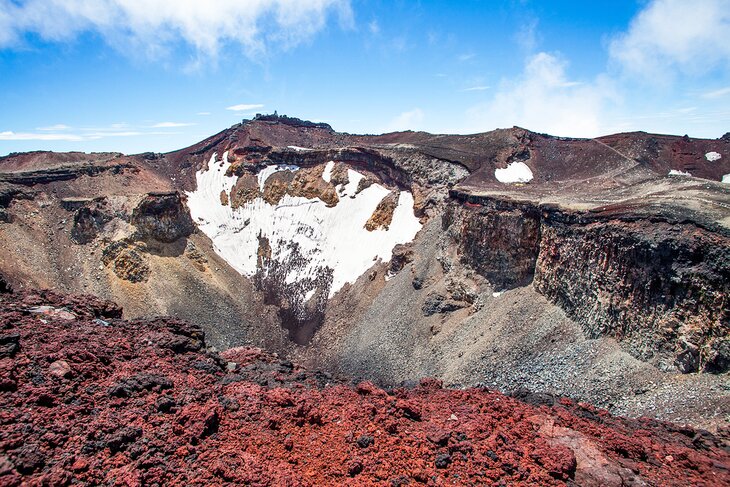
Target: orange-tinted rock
[
  {"x": 276, "y": 186},
  {"x": 383, "y": 214},
  {"x": 245, "y": 190},
  {"x": 340, "y": 176},
  {"x": 308, "y": 183}
]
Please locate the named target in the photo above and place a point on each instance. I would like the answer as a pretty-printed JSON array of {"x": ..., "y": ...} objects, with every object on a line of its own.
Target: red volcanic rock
[{"x": 101, "y": 401}]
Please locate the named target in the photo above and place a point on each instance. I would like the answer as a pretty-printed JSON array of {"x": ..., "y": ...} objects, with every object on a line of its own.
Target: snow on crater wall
[
  {"x": 515, "y": 172},
  {"x": 327, "y": 237},
  {"x": 713, "y": 156}
]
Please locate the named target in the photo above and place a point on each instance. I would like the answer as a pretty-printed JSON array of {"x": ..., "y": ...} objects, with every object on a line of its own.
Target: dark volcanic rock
[
  {"x": 4, "y": 286},
  {"x": 658, "y": 284},
  {"x": 163, "y": 217},
  {"x": 661, "y": 288},
  {"x": 500, "y": 240},
  {"x": 87, "y": 224}
]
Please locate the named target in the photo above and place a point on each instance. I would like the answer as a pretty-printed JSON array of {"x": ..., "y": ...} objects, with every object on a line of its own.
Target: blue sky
[{"x": 158, "y": 75}]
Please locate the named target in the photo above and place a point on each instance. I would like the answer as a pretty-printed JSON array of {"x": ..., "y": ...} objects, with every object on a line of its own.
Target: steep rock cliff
[{"x": 658, "y": 285}]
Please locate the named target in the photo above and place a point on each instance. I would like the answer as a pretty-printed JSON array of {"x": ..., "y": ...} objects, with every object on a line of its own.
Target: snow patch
[
  {"x": 497, "y": 294},
  {"x": 327, "y": 174},
  {"x": 515, "y": 172},
  {"x": 333, "y": 238},
  {"x": 713, "y": 156},
  {"x": 675, "y": 172},
  {"x": 726, "y": 179},
  {"x": 299, "y": 149}
]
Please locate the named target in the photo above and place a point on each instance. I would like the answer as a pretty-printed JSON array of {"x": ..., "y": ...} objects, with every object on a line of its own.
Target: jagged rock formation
[
  {"x": 90, "y": 399},
  {"x": 162, "y": 217},
  {"x": 661, "y": 287},
  {"x": 590, "y": 268}
]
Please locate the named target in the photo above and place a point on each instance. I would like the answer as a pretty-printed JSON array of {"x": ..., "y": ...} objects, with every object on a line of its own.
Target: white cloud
[
  {"x": 60, "y": 132},
  {"x": 690, "y": 36},
  {"x": 54, "y": 128},
  {"x": 476, "y": 88},
  {"x": 543, "y": 99},
  {"x": 9, "y": 135},
  {"x": 411, "y": 120},
  {"x": 153, "y": 26},
  {"x": 245, "y": 107},
  {"x": 162, "y": 125}
]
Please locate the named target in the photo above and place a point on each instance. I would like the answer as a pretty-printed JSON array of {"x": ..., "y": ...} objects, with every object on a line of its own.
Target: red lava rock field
[{"x": 89, "y": 399}]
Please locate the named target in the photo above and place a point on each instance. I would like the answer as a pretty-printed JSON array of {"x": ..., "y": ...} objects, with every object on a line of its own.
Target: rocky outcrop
[
  {"x": 276, "y": 186},
  {"x": 245, "y": 190},
  {"x": 96, "y": 400},
  {"x": 658, "y": 285},
  {"x": 7, "y": 195},
  {"x": 127, "y": 261},
  {"x": 498, "y": 239},
  {"x": 308, "y": 183},
  {"x": 4, "y": 286},
  {"x": 661, "y": 287},
  {"x": 304, "y": 183},
  {"x": 383, "y": 214},
  {"x": 162, "y": 217},
  {"x": 89, "y": 220},
  {"x": 61, "y": 173}
]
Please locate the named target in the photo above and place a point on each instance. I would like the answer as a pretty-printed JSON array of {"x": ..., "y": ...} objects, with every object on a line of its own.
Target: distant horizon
[{"x": 138, "y": 76}]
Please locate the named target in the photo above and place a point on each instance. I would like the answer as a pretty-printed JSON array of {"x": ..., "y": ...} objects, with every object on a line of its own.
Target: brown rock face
[
  {"x": 308, "y": 183},
  {"x": 340, "y": 176},
  {"x": 245, "y": 190},
  {"x": 499, "y": 240},
  {"x": 304, "y": 183},
  {"x": 383, "y": 214},
  {"x": 662, "y": 286},
  {"x": 276, "y": 186},
  {"x": 163, "y": 217},
  {"x": 659, "y": 287}
]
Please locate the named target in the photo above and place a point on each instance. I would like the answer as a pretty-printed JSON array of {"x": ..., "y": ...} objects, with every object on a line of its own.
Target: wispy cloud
[
  {"x": 374, "y": 27},
  {"x": 54, "y": 128},
  {"x": 466, "y": 56},
  {"x": 162, "y": 125},
  {"x": 476, "y": 88},
  {"x": 153, "y": 27},
  {"x": 717, "y": 93},
  {"x": 61, "y": 132},
  {"x": 9, "y": 135},
  {"x": 244, "y": 107},
  {"x": 526, "y": 35}
]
